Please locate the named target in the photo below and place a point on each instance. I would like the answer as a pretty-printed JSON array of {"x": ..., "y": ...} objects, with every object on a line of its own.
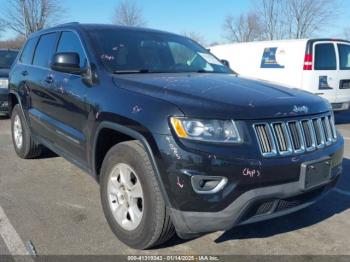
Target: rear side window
[
  {"x": 325, "y": 58},
  {"x": 344, "y": 56},
  {"x": 45, "y": 49},
  {"x": 69, "y": 42},
  {"x": 28, "y": 51}
]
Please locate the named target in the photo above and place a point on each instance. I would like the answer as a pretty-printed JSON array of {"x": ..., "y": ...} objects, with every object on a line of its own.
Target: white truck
[{"x": 320, "y": 66}]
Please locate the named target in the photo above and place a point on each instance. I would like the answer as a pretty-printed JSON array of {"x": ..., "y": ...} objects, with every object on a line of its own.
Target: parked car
[
  {"x": 177, "y": 141},
  {"x": 319, "y": 66},
  {"x": 7, "y": 57}
]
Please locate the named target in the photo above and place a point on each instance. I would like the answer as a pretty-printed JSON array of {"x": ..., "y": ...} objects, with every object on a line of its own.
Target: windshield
[
  {"x": 7, "y": 58},
  {"x": 132, "y": 51}
]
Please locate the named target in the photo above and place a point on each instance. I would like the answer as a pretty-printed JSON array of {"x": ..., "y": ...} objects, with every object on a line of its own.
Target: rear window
[
  {"x": 325, "y": 58},
  {"x": 45, "y": 49},
  {"x": 344, "y": 56},
  {"x": 28, "y": 51}
]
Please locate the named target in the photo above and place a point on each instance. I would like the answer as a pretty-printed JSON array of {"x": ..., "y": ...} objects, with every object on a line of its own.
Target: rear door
[
  {"x": 324, "y": 77},
  {"x": 22, "y": 72},
  {"x": 344, "y": 72},
  {"x": 39, "y": 82}
]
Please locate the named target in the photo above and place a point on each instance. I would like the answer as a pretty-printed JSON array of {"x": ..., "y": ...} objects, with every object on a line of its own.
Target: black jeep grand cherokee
[{"x": 177, "y": 141}]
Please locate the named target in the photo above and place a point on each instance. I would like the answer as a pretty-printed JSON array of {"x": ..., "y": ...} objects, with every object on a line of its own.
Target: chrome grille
[
  {"x": 264, "y": 136},
  {"x": 297, "y": 136},
  {"x": 282, "y": 138}
]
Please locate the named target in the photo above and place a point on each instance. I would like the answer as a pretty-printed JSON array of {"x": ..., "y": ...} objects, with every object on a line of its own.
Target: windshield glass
[
  {"x": 7, "y": 58},
  {"x": 132, "y": 51}
]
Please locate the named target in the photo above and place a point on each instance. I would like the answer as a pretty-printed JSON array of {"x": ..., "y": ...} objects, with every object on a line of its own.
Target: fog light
[{"x": 208, "y": 184}]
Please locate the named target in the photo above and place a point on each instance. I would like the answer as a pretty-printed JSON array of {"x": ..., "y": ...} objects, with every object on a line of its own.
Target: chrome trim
[
  {"x": 272, "y": 141},
  {"x": 217, "y": 188},
  {"x": 301, "y": 137},
  {"x": 284, "y": 133},
  {"x": 329, "y": 139},
  {"x": 325, "y": 140},
  {"x": 322, "y": 134},
  {"x": 333, "y": 127},
  {"x": 312, "y": 135}
]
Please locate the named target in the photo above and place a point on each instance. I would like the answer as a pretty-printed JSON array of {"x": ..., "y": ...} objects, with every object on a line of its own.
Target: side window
[
  {"x": 28, "y": 51},
  {"x": 344, "y": 56},
  {"x": 69, "y": 42},
  {"x": 45, "y": 49},
  {"x": 325, "y": 58}
]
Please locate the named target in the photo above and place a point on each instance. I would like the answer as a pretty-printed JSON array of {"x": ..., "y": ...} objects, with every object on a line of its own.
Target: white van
[{"x": 320, "y": 66}]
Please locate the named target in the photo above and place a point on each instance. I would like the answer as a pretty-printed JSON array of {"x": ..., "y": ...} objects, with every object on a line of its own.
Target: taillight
[{"x": 308, "y": 62}]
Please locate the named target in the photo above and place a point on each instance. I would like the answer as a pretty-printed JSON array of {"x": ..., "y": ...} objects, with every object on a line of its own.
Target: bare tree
[
  {"x": 195, "y": 36},
  {"x": 245, "y": 28},
  {"x": 2, "y": 26},
  {"x": 28, "y": 16},
  {"x": 15, "y": 43},
  {"x": 271, "y": 15},
  {"x": 128, "y": 13},
  {"x": 303, "y": 18}
]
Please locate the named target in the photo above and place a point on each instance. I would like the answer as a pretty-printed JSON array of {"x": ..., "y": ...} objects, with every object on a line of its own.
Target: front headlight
[
  {"x": 4, "y": 82},
  {"x": 218, "y": 131}
]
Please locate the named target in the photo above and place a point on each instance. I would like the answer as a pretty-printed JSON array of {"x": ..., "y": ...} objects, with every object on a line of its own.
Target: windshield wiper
[
  {"x": 204, "y": 71},
  {"x": 140, "y": 71}
]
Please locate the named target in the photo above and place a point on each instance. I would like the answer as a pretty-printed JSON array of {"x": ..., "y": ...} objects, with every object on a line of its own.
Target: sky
[{"x": 202, "y": 16}]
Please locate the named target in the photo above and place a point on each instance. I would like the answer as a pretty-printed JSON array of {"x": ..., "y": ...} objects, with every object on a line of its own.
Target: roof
[{"x": 77, "y": 26}]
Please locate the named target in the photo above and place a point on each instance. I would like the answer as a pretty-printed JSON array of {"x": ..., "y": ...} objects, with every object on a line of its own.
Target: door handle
[
  {"x": 24, "y": 73},
  {"x": 49, "y": 79}
]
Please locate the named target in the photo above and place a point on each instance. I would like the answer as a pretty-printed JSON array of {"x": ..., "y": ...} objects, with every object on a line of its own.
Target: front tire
[
  {"x": 131, "y": 198},
  {"x": 23, "y": 142}
]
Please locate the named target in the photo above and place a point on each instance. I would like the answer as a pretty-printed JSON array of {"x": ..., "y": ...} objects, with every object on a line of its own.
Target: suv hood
[
  {"x": 224, "y": 96},
  {"x": 4, "y": 73}
]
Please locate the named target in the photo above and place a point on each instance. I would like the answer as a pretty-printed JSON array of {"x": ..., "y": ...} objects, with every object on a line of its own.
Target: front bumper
[
  {"x": 273, "y": 191},
  {"x": 253, "y": 206},
  {"x": 3, "y": 101}
]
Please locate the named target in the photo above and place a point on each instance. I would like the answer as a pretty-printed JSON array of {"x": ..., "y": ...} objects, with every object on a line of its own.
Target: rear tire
[
  {"x": 155, "y": 226},
  {"x": 23, "y": 142}
]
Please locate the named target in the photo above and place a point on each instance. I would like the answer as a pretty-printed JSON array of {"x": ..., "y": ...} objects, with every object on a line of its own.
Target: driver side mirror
[
  {"x": 225, "y": 63},
  {"x": 68, "y": 62}
]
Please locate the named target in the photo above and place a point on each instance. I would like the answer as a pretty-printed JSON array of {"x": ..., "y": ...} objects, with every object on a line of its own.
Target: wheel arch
[
  {"x": 13, "y": 100},
  {"x": 129, "y": 134}
]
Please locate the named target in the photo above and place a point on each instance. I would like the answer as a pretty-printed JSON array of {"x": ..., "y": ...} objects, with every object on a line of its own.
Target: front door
[{"x": 69, "y": 112}]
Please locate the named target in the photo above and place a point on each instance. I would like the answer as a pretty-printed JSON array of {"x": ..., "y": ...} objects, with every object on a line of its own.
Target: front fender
[{"x": 148, "y": 143}]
